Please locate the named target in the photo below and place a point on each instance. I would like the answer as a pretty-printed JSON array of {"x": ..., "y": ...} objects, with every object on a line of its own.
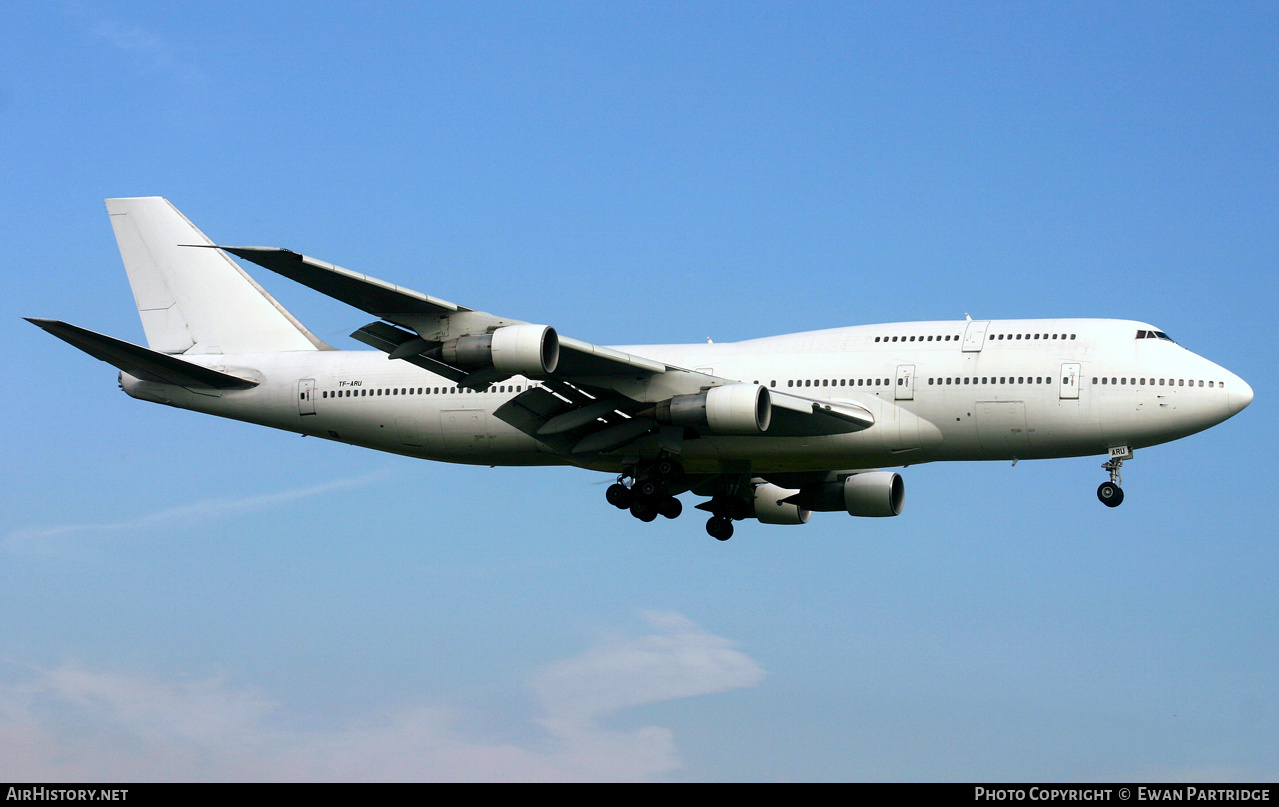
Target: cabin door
[
  {"x": 1069, "y": 382},
  {"x": 905, "y": 389},
  {"x": 975, "y": 335},
  {"x": 306, "y": 396}
]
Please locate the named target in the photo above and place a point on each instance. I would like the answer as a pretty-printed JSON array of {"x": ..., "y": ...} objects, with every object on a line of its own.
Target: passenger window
[{"x": 1103, "y": 380}]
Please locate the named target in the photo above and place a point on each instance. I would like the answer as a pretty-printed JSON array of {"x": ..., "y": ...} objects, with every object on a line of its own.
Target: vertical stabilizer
[{"x": 196, "y": 300}]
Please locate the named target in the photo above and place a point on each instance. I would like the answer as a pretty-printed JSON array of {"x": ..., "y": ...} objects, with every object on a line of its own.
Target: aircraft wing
[
  {"x": 588, "y": 399},
  {"x": 430, "y": 319}
]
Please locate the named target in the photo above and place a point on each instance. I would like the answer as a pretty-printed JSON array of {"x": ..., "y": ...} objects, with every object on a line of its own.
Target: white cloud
[
  {"x": 152, "y": 53},
  {"x": 45, "y": 539},
  {"x": 679, "y": 662},
  {"x": 75, "y": 724}
]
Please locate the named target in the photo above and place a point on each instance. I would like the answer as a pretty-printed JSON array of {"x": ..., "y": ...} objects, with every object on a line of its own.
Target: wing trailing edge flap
[
  {"x": 573, "y": 421},
  {"x": 141, "y": 362}
]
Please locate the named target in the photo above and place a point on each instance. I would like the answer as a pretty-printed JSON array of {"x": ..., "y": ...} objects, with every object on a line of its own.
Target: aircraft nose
[{"x": 1240, "y": 395}]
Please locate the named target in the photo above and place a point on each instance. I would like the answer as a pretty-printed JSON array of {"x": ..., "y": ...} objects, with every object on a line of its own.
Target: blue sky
[{"x": 187, "y": 598}]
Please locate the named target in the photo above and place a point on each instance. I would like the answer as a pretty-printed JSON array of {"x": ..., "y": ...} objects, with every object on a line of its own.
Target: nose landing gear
[{"x": 1110, "y": 493}]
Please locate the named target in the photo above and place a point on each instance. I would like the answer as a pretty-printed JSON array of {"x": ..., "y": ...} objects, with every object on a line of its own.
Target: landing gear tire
[
  {"x": 720, "y": 528},
  {"x": 670, "y": 507},
  {"x": 644, "y": 510},
  {"x": 1110, "y": 494},
  {"x": 619, "y": 496},
  {"x": 668, "y": 469}
]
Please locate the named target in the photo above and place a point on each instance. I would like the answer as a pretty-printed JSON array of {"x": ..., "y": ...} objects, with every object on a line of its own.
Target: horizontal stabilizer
[{"x": 141, "y": 362}]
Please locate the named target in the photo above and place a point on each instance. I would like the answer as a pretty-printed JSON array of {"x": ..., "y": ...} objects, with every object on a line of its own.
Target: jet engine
[
  {"x": 771, "y": 506},
  {"x": 867, "y": 493},
  {"x": 529, "y": 350},
  {"x": 728, "y": 409},
  {"x": 874, "y": 493}
]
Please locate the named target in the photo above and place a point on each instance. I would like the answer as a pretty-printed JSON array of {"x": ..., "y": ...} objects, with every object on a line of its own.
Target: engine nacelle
[
  {"x": 529, "y": 350},
  {"x": 729, "y": 409},
  {"x": 770, "y": 507},
  {"x": 867, "y": 493},
  {"x": 875, "y": 494}
]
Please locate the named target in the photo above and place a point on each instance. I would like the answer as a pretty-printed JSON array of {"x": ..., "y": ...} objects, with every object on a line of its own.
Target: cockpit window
[{"x": 1155, "y": 335}]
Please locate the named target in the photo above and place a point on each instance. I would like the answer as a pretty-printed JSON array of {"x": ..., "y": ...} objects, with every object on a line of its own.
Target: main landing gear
[
  {"x": 725, "y": 509},
  {"x": 649, "y": 494},
  {"x": 1110, "y": 493}
]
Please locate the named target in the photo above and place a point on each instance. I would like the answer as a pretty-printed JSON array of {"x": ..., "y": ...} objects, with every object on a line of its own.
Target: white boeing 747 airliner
[{"x": 770, "y": 429}]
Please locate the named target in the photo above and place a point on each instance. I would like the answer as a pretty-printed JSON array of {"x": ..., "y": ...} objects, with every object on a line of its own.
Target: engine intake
[
  {"x": 530, "y": 350},
  {"x": 729, "y": 409}
]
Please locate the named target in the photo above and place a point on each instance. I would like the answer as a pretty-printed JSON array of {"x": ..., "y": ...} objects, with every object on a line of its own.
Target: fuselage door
[
  {"x": 1070, "y": 382},
  {"x": 306, "y": 396},
  {"x": 975, "y": 335},
  {"x": 463, "y": 431},
  {"x": 905, "y": 389}
]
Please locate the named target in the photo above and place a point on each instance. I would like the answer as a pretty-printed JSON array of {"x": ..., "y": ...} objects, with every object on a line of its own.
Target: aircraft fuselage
[{"x": 981, "y": 390}]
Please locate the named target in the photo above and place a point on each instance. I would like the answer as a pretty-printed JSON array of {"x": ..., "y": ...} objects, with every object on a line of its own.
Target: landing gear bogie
[{"x": 646, "y": 496}]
